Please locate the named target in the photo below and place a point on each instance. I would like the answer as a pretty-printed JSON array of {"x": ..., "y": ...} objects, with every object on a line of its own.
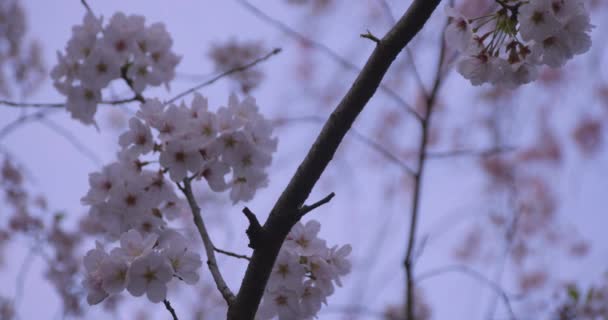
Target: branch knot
[{"x": 255, "y": 232}]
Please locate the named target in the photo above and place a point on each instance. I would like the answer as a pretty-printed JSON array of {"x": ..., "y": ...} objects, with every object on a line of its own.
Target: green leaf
[{"x": 573, "y": 292}]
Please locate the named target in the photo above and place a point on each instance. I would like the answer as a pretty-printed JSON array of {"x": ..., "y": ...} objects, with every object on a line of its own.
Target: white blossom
[
  {"x": 303, "y": 275},
  {"x": 537, "y": 21},
  {"x": 113, "y": 271},
  {"x": 180, "y": 157},
  {"x": 523, "y": 36},
  {"x": 303, "y": 239},
  {"x": 150, "y": 274},
  {"x": 138, "y": 139},
  {"x": 134, "y": 245},
  {"x": 96, "y": 55},
  {"x": 82, "y": 103},
  {"x": 185, "y": 263},
  {"x": 458, "y": 33},
  {"x": 93, "y": 279}
]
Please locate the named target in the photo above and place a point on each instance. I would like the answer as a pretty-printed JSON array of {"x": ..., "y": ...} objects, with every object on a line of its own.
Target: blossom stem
[
  {"x": 170, "y": 308},
  {"x": 123, "y": 75},
  {"x": 86, "y": 6},
  {"x": 208, "y": 244}
]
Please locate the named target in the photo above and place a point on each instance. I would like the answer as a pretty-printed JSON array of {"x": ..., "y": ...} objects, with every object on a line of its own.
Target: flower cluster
[
  {"x": 132, "y": 202},
  {"x": 303, "y": 275},
  {"x": 507, "y": 47},
  {"x": 141, "y": 264},
  {"x": 236, "y": 139},
  {"x": 124, "y": 49}
]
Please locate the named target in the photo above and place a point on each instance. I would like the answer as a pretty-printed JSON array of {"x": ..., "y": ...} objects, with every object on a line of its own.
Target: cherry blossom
[
  {"x": 506, "y": 47},
  {"x": 96, "y": 55},
  {"x": 303, "y": 275},
  {"x": 150, "y": 274}
]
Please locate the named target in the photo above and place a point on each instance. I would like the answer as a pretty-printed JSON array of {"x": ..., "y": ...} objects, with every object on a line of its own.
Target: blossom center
[{"x": 149, "y": 275}]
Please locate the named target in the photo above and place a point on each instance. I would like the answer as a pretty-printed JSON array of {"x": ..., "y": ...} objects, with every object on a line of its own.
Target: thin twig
[
  {"x": 208, "y": 244},
  {"x": 86, "y": 6},
  {"x": 129, "y": 82},
  {"x": 306, "y": 209},
  {"x": 122, "y": 101},
  {"x": 31, "y": 104},
  {"x": 13, "y": 125},
  {"x": 468, "y": 152},
  {"x": 232, "y": 254},
  {"x": 170, "y": 308},
  {"x": 474, "y": 274},
  {"x": 513, "y": 225},
  {"x": 224, "y": 74},
  {"x": 370, "y": 36},
  {"x": 325, "y": 50},
  {"x": 375, "y": 146},
  {"x": 72, "y": 139},
  {"x": 59, "y": 105},
  {"x": 418, "y": 178}
]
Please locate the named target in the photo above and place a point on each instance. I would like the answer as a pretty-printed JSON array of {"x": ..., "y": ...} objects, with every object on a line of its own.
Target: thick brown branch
[
  {"x": 285, "y": 211},
  {"x": 208, "y": 244}
]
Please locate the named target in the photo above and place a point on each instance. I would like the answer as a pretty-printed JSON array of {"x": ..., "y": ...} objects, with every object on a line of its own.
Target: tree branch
[
  {"x": 285, "y": 212},
  {"x": 418, "y": 176},
  {"x": 469, "y": 152},
  {"x": 410, "y": 55},
  {"x": 170, "y": 308},
  {"x": 209, "y": 247},
  {"x": 15, "y": 124},
  {"x": 59, "y": 105},
  {"x": 72, "y": 139},
  {"x": 375, "y": 146},
  {"x": 306, "y": 209},
  {"x": 370, "y": 36},
  {"x": 255, "y": 232},
  {"x": 232, "y": 254},
  {"x": 31, "y": 104},
  {"x": 325, "y": 50},
  {"x": 224, "y": 74},
  {"x": 86, "y": 6}
]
